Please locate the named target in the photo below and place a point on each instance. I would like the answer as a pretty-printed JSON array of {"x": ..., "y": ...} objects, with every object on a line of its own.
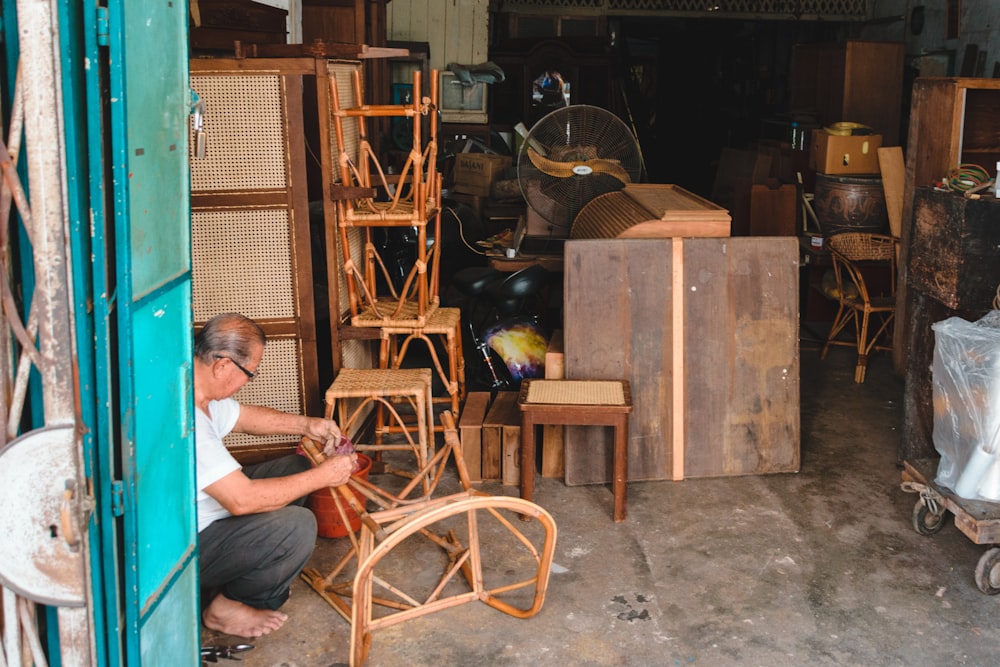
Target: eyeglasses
[{"x": 250, "y": 374}]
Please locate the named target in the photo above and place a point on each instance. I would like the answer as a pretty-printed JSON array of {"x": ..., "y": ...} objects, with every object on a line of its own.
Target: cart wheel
[
  {"x": 926, "y": 522},
  {"x": 988, "y": 572}
]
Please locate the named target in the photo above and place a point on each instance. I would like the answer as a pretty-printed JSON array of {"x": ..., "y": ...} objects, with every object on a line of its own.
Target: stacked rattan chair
[
  {"x": 367, "y": 198},
  {"x": 498, "y": 550},
  {"x": 855, "y": 256}
]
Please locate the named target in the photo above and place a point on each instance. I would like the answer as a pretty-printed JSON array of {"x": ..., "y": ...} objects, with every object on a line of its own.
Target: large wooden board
[
  {"x": 740, "y": 353},
  {"x": 617, "y": 309},
  {"x": 741, "y": 356}
]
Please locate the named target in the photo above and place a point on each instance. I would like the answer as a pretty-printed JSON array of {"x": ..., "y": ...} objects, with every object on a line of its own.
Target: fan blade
[
  {"x": 611, "y": 168},
  {"x": 567, "y": 169},
  {"x": 550, "y": 167}
]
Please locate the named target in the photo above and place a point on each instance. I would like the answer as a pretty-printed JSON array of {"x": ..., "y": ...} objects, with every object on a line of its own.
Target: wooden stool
[
  {"x": 382, "y": 387},
  {"x": 576, "y": 403}
]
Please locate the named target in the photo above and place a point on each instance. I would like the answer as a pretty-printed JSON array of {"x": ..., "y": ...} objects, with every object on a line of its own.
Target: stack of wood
[{"x": 490, "y": 430}]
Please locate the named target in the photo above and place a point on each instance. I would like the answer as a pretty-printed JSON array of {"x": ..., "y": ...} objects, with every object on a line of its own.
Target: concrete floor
[{"x": 822, "y": 567}]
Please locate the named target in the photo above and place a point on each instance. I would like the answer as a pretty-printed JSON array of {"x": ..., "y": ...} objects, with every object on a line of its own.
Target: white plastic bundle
[{"x": 966, "y": 389}]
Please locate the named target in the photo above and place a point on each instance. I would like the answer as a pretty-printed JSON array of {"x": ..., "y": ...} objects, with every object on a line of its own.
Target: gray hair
[{"x": 228, "y": 335}]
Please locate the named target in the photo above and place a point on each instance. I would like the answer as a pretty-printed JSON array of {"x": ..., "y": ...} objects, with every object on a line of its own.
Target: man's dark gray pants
[{"x": 254, "y": 558}]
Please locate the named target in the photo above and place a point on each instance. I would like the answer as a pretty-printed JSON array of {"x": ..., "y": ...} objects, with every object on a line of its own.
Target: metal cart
[{"x": 979, "y": 520}]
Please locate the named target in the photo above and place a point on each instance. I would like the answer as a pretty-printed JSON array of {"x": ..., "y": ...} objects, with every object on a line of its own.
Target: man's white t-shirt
[{"x": 213, "y": 460}]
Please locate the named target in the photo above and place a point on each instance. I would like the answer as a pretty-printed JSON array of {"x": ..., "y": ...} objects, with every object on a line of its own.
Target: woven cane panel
[
  {"x": 242, "y": 262},
  {"x": 355, "y": 238},
  {"x": 244, "y": 124},
  {"x": 576, "y": 392},
  {"x": 278, "y": 386},
  {"x": 343, "y": 71},
  {"x": 354, "y": 353}
]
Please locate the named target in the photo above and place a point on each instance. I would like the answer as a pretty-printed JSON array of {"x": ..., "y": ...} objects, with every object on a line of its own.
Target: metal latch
[{"x": 198, "y": 124}]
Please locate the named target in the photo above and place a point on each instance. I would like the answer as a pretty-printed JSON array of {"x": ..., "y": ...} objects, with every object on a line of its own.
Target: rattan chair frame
[
  {"x": 852, "y": 254},
  {"x": 444, "y": 326},
  {"x": 412, "y": 199},
  {"x": 352, "y": 595}
]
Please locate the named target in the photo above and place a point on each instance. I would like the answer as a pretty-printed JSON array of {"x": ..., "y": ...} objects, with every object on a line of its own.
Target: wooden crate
[
  {"x": 470, "y": 431},
  {"x": 952, "y": 121},
  {"x": 502, "y": 440}
]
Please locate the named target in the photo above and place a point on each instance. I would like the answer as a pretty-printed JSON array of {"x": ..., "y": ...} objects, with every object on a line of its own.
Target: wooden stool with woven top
[
  {"x": 576, "y": 403},
  {"x": 384, "y": 388}
]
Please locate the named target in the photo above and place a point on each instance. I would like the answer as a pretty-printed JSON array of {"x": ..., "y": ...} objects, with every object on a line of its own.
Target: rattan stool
[
  {"x": 384, "y": 388},
  {"x": 446, "y": 324},
  {"x": 576, "y": 403}
]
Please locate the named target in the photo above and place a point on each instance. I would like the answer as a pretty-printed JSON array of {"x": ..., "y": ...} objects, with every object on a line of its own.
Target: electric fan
[{"x": 572, "y": 155}]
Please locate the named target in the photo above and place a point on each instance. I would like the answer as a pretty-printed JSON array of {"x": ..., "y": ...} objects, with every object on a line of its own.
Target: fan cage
[{"x": 580, "y": 152}]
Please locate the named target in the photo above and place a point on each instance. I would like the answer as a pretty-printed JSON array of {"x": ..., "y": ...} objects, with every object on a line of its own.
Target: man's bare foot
[{"x": 236, "y": 618}]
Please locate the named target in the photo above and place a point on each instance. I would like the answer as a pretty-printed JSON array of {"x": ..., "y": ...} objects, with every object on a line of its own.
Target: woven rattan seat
[
  {"x": 385, "y": 389},
  {"x": 576, "y": 392},
  {"x": 854, "y": 254},
  {"x": 576, "y": 403}
]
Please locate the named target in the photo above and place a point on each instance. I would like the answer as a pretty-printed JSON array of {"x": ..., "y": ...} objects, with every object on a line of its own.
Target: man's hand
[
  {"x": 338, "y": 467},
  {"x": 322, "y": 430}
]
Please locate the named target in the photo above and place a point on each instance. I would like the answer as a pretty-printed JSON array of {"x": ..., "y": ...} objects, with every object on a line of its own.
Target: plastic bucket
[
  {"x": 850, "y": 204},
  {"x": 328, "y": 521}
]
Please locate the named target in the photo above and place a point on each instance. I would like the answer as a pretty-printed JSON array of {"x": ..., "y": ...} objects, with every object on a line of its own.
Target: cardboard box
[
  {"x": 475, "y": 172},
  {"x": 834, "y": 154}
]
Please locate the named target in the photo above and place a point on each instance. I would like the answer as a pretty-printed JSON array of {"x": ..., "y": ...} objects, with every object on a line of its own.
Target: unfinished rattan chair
[
  {"x": 502, "y": 546},
  {"x": 368, "y": 196},
  {"x": 854, "y": 255},
  {"x": 355, "y": 392},
  {"x": 443, "y": 330}
]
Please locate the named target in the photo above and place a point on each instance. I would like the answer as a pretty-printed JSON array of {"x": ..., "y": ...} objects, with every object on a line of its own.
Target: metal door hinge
[
  {"x": 117, "y": 499},
  {"x": 103, "y": 30}
]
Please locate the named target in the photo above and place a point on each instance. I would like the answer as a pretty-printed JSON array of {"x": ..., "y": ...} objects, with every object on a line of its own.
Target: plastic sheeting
[{"x": 966, "y": 394}]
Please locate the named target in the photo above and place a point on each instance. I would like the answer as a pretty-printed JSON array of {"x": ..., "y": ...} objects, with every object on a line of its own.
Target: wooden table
[
  {"x": 551, "y": 263},
  {"x": 580, "y": 403}
]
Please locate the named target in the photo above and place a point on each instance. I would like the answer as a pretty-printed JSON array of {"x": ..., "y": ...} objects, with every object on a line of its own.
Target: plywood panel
[
  {"x": 501, "y": 425},
  {"x": 740, "y": 353},
  {"x": 470, "y": 427}
]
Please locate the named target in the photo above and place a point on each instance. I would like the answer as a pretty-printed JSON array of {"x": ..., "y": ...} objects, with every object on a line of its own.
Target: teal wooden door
[
  {"x": 149, "y": 104},
  {"x": 120, "y": 70}
]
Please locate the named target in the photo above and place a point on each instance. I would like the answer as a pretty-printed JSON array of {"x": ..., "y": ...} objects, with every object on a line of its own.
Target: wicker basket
[{"x": 860, "y": 246}]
